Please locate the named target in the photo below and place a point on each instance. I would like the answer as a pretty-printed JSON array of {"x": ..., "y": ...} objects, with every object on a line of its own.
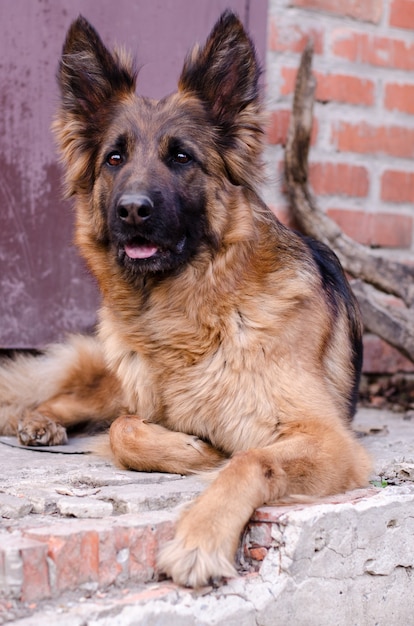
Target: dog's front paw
[
  {"x": 194, "y": 561},
  {"x": 36, "y": 429}
]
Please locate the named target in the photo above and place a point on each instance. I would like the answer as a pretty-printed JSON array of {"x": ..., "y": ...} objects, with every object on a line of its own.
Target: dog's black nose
[{"x": 134, "y": 209}]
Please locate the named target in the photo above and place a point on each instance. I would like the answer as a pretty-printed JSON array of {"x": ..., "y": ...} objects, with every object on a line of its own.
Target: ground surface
[{"x": 79, "y": 537}]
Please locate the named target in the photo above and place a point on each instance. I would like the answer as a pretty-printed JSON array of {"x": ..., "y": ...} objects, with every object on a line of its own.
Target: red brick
[
  {"x": 375, "y": 229},
  {"x": 364, "y": 10},
  {"x": 289, "y": 76},
  {"x": 111, "y": 542},
  {"x": 257, "y": 554},
  {"x": 379, "y": 51},
  {"x": 402, "y": 14},
  {"x": 260, "y": 535},
  {"x": 365, "y": 138},
  {"x": 334, "y": 87},
  {"x": 155, "y": 538},
  {"x": 144, "y": 548},
  {"x": 35, "y": 573},
  {"x": 143, "y": 542},
  {"x": 294, "y": 37},
  {"x": 399, "y": 97},
  {"x": 339, "y": 179},
  {"x": 397, "y": 186},
  {"x": 355, "y": 224},
  {"x": 74, "y": 554},
  {"x": 278, "y": 126},
  {"x": 381, "y": 358},
  {"x": 345, "y": 88}
]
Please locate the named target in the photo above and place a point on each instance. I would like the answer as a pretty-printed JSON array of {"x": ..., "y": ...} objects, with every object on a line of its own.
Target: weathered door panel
[{"x": 45, "y": 290}]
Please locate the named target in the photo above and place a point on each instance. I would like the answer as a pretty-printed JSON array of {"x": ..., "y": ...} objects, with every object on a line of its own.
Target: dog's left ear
[
  {"x": 224, "y": 74},
  {"x": 225, "y": 71}
]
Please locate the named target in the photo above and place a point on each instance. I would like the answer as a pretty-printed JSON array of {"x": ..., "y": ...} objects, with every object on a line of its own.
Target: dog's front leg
[
  {"x": 144, "y": 446},
  {"x": 310, "y": 460},
  {"x": 208, "y": 533}
]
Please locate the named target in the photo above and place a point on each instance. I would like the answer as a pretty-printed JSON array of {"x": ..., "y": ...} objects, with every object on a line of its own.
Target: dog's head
[{"x": 148, "y": 175}]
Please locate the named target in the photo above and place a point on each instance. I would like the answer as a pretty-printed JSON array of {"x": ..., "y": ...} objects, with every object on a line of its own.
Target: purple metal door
[{"x": 45, "y": 291}]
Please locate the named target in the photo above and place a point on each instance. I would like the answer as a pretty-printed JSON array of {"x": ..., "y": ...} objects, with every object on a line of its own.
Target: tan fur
[
  {"x": 68, "y": 384},
  {"x": 158, "y": 448},
  {"x": 237, "y": 361}
]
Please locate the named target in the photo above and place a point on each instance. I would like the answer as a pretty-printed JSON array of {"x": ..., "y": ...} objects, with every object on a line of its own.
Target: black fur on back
[{"x": 337, "y": 289}]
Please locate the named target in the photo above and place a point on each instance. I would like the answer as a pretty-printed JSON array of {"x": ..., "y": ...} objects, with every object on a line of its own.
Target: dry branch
[
  {"x": 394, "y": 325},
  {"x": 388, "y": 276}
]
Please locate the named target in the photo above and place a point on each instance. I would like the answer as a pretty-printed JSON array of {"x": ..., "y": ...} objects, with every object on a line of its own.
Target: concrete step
[{"x": 79, "y": 539}]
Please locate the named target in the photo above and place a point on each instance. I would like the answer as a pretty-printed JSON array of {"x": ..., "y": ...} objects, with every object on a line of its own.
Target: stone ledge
[
  {"x": 365, "y": 532},
  {"x": 342, "y": 563},
  {"x": 345, "y": 560}
]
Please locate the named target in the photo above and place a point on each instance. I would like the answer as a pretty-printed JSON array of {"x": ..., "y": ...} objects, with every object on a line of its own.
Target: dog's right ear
[
  {"x": 89, "y": 74},
  {"x": 92, "y": 82}
]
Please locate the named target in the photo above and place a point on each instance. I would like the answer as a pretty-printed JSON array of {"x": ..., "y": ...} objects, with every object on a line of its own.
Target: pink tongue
[{"x": 140, "y": 252}]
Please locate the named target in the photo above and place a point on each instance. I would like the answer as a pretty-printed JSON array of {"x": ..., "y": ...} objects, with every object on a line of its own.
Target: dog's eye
[
  {"x": 181, "y": 157},
  {"x": 114, "y": 158}
]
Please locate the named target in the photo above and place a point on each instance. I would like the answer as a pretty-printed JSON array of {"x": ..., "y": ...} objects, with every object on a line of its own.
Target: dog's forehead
[{"x": 175, "y": 114}]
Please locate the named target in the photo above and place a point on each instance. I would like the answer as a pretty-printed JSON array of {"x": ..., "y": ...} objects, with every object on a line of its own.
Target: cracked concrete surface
[{"x": 346, "y": 561}]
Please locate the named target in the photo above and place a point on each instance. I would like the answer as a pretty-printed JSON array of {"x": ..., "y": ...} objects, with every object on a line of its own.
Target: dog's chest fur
[{"x": 220, "y": 375}]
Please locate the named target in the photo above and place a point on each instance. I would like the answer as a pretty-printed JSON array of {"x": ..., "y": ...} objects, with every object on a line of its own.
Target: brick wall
[{"x": 361, "y": 160}]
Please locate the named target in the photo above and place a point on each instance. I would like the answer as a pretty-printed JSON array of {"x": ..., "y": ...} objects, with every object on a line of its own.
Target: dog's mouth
[
  {"x": 143, "y": 255},
  {"x": 141, "y": 249}
]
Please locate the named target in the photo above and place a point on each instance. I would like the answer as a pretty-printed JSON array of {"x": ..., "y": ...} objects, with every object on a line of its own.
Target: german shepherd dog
[{"x": 225, "y": 340}]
